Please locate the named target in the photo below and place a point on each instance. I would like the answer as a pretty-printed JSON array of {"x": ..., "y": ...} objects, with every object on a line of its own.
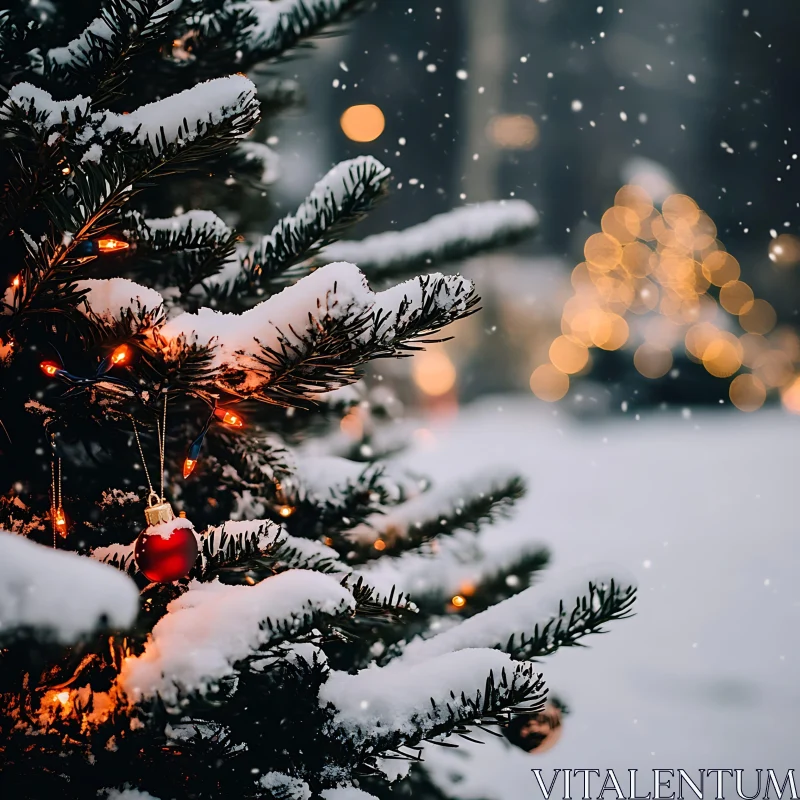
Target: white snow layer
[
  {"x": 206, "y": 103},
  {"x": 478, "y": 223},
  {"x": 273, "y": 15},
  {"x": 64, "y": 593},
  {"x": 213, "y": 625},
  {"x": 346, "y": 793},
  {"x": 339, "y": 183},
  {"x": 281, "y": 785},
  {"x": 336, "y": 291},
  {"x": 265, "y": 157},
  {"x": 110, "y": 298},
  {"x": 397, "y": 697},
  {"x": 494, "y": 626},
  {"x": 198, "y": 219},
  {"x": 81, "y": 44},
  {"x": 129, "y": 794}
]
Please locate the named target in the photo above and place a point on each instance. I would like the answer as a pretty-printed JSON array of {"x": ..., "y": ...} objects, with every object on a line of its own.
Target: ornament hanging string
[
  {"x": 161, "y": 429},
  {"x": 55, "y": 502}
]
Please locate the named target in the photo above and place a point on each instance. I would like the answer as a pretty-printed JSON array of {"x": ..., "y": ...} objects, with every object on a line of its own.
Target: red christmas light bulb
[
  {"x": 229, "y": 418},
  {"x": 121, "y": 354},
  {"x": 49, "y": 368},
  {"x": 110, "y": 245},
  {"x": 188, "y": 467}
]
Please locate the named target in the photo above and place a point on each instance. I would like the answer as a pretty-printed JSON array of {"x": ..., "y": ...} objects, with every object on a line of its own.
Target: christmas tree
[{"x": 261, "y": 643}]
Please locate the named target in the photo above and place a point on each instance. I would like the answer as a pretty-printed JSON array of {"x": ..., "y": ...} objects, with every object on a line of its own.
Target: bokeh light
[
  {"x": 513, "y": 131},
  {"x": 652, "y": 361},
  {"x": 549, "y": 383},
  {"x": 568, "y": 355},
  {"x": 760, "y": 317},
  {"x": 790, "y": 396},
  {"x": 784, "y": 250},
  {"x": 747, "y": 392},
  {"x": 433, "y": 372},
  {"x": 363, "y": 123}
]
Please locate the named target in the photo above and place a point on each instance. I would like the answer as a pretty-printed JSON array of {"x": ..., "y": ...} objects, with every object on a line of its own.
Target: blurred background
[
  {"x": 565, "y": 104},
  {"x": 637, "y": 360}
]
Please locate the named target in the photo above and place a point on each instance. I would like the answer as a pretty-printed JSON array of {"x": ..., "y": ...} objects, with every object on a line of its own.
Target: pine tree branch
[
  {"x": 599, "y": 606},
  {"x": 444, "y": 239},
  {"x": 344, "y": 195}
]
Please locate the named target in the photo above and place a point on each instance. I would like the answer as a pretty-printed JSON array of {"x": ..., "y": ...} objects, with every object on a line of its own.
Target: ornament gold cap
[{"x": 158, "y": 510}]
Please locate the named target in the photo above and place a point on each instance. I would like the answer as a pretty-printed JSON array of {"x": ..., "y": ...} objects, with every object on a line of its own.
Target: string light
[
  {"x": 16, "y": 282},
  {"x": 286, "y": 511},
  {"x": 62, "y": 697},
  {"x": 229, "y": 418},
  {"x": 379, "y": 544},
  {"x": 188, "y": 467},
  {"x": 111, "y": 245},
  {"x": 50, "y": 368},
  {"x": 121, "y": 354},
  {"x": 61, "y": 520},
  {"x": 459, "y": 601}
]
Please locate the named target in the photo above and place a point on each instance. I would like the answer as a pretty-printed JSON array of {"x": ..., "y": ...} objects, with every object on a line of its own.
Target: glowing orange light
[
  {"x": 362, "y": 123},
  {"x": 63, "y": 698},
  {"x": 66, "y": 170},
  {"x": 188, "y": 467},
  {"x": 49, "y": 368},
  {"x": 379, "y": 544},
  {"x": 16, "y": 282},
  {"x": 286, "y": 511},
  {"x": 459, "y": 601},
  {"x": 110, "y": 245},
  {"x": 61, "y": 520},
  {"x": 229, "y": 418},
  {"x": 121, "y": 354}
]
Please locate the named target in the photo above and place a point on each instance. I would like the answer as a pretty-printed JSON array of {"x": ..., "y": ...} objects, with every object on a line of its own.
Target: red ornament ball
[{"x": 167, "y": 551}]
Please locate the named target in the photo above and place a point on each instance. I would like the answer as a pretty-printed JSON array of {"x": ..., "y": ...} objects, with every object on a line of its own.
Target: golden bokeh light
[
  {"x": 720, "y": 268},
  {"x": 784, "y": 250},
  {"x": 621, "y": 223},
  {"x": 699, "y": 337},
  {"x": 602, "y": 251},
  {"x": 458, "y": 601},
  {"x": 753, "y": 345},
  {"x": 747, "y": 392},
  {"x": 760, "y": 317},
  {"x": 612, "y": 333},
  {"x": 568, "y": 355},
  {"x": 723, "y": 355},
  {"x": 790, "y": 396},
  {"x": 434, "y": 372},
  {"x": 774, "y": 367},
  {"x": 736, "y": 297},
  {"x": 635, "y": 198},
  {"x": 363, "y": 123},
  {"x": 548, "y": 383},
  {"x": 678, "y": 208},
  {"x": 513, "y": 131},
  {"x": 652, "y": 361},
  {"x": 637, "y": 259}
]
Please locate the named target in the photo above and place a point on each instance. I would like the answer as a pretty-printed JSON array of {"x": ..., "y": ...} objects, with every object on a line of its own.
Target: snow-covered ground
[{"x": 701, "y": 511}]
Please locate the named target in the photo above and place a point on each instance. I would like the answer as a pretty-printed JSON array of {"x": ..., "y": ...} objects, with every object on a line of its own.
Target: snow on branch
[
  {"x": 97, "y": 55},
  {"x": 60, "y": 593},
  {"x": 285, "y": 787},
  {"x": 344, "y": 194},
  {"x": 403, "y": 704},
  {"x": 461, "y": 559},
  {"x": 111, "y": 298},
  {"x": 439, "y": 512},
  {"x": 177, "y": 119},
  {"x": 280, "y": 24},
  {"x": 313, "y": 336},
  {"x": 258, "y": 158},
  {"x": 448, "y": 237},
  {"x": 214, "y": 625},
  {"x": 346, "y": 793},
  {"x": 530, "y": 624}
]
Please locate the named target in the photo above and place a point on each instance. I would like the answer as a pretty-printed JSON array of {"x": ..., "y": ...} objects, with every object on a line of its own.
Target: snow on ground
[{"x": 700, "y": 510}]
